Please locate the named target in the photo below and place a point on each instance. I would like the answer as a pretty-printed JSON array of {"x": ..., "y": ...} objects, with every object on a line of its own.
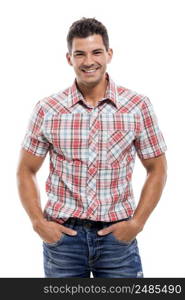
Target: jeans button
[{"x": 88, "y": 225}]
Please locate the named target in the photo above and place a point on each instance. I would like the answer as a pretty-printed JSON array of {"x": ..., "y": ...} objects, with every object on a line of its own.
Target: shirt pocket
[
  {"x": 68, "y": 133},
  {"x": 118, "y": 144},
  {"x": 118, "y": 131}
]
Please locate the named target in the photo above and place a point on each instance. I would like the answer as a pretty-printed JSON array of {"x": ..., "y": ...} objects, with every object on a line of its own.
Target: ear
[
  {"x": 68, "y": 56},
  {"x": 109, "y": 54}
]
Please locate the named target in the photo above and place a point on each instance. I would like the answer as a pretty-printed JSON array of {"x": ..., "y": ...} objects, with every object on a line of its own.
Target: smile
[{"x": 90, "y": 71}]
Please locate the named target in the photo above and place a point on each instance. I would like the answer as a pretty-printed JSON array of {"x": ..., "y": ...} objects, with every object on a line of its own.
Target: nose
[{"x": 88, "y": 60}]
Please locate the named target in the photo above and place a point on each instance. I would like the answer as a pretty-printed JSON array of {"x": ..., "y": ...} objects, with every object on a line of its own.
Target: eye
[
  {"x": 78, "y": 54},
  {"x": 97, "y": 52}
]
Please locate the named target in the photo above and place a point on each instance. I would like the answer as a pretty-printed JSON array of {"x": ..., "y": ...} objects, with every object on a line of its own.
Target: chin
[{"x": 91, "y": 82}]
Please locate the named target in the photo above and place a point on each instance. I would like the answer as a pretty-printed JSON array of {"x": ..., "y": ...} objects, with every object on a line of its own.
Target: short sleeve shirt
[{"x": 92, "y": 150}]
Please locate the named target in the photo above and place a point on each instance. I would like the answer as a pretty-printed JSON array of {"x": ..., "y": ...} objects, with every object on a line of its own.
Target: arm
[
  {"x": 28, "y": 189},
  {"x": 29, "y": 194},
  {"x": 151, "y": 192}
]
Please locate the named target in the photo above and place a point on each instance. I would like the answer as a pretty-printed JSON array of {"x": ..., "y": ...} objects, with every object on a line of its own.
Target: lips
[{"x": 90, "y": 71}]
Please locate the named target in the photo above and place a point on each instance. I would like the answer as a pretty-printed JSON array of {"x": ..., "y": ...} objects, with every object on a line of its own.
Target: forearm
[
  {"x": 150, "y": 196},
  {"x": 29, "y": 195}
]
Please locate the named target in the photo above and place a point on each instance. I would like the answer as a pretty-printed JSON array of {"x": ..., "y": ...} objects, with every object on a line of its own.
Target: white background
[{"x": 147, "y": 37}]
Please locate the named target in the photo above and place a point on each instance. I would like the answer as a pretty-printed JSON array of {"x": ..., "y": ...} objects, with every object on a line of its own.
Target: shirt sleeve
[
  {"x": 34, "y": 141},
  {"x": 150, "y": 143}
]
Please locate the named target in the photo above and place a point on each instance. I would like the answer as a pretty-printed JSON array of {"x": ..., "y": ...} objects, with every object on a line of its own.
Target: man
[{"x": 92, "y": 131}]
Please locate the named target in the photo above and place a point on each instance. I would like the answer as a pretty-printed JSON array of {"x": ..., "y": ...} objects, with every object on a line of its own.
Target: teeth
[{"x": 90, "y": 71}]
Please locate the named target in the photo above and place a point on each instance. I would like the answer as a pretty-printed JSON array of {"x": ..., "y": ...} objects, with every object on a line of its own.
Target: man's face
[{"x": 89, "y": 59}]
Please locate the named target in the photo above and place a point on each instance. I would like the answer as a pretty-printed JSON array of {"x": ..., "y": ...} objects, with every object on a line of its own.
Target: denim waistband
[{"x": 91, "y": 223}]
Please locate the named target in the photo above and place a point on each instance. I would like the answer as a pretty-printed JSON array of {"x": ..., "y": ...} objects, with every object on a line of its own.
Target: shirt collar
[{"x": 111, "y": 93}]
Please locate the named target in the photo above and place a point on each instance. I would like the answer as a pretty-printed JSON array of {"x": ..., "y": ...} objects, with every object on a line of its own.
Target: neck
[{"x": 92, "y": 94}]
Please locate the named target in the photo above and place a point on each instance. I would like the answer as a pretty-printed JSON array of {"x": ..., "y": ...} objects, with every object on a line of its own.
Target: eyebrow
[{"x": 80, "y": 51}]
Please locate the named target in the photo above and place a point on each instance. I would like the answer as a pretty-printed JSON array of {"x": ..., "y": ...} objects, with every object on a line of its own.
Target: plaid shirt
[{"x": 92, "y": 150}]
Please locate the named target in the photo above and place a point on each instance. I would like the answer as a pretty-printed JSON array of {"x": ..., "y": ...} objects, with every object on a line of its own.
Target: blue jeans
[{"x": 104, "y": 256}]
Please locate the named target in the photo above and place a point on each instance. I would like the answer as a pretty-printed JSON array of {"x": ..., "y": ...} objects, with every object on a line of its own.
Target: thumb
[
  {"x": 106, "y": 230},
  {"x": 71, "y": 231},
  {"x": 68, "y": 230}
]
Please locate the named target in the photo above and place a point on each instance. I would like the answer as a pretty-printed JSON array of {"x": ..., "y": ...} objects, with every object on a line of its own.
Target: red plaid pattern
[{"x": 92, "y": 150}]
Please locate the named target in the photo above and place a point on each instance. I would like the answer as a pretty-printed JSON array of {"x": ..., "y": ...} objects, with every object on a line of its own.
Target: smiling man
[
  {"x": 89, "y": 58},
  {"x": 92, "y": 131}
]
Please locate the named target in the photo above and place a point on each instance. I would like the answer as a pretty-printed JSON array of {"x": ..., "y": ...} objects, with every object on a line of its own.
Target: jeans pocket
[
  {"x": 120, "y": 241},
  {"x": 57, "y": 242}
]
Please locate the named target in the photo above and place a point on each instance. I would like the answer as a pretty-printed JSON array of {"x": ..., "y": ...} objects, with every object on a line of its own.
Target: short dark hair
[{"x": 86, "y": 27}]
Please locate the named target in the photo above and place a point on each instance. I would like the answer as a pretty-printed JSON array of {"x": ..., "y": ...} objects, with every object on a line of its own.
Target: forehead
[{"x": 89, "y": 43}]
